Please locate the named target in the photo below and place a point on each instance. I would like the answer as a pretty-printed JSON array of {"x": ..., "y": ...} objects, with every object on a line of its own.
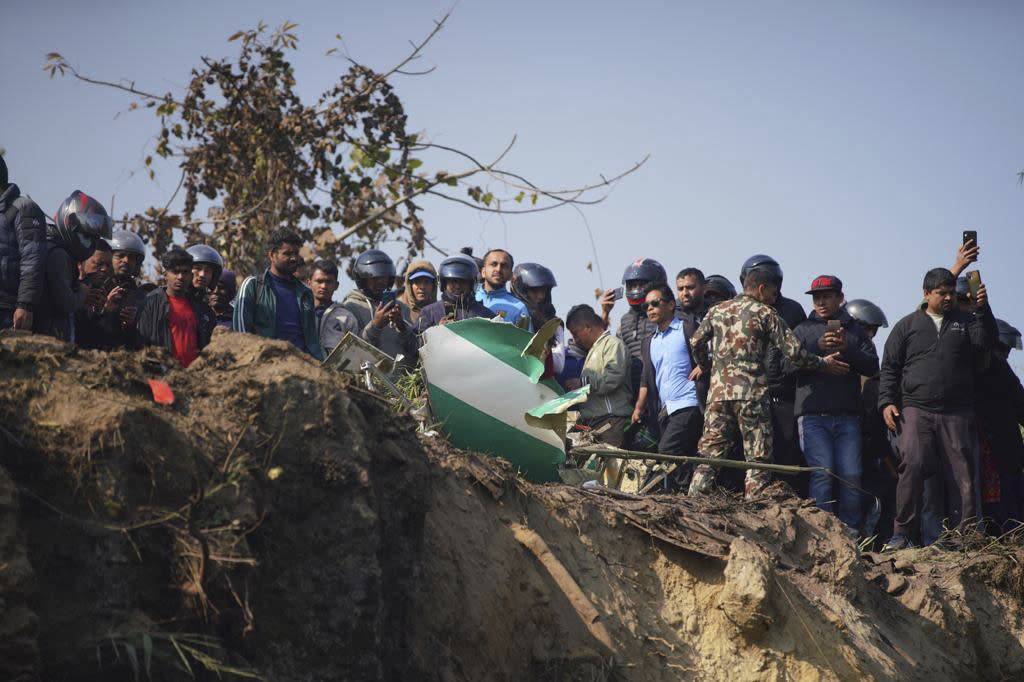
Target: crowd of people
[{"x": 925, "y": 438}]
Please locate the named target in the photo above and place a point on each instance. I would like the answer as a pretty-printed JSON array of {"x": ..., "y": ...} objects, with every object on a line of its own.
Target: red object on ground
[{"x": 162, "y": 393}]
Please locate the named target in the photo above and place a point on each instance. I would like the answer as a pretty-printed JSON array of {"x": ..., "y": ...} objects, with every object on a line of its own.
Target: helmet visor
[{"x": 95, "y": 225}]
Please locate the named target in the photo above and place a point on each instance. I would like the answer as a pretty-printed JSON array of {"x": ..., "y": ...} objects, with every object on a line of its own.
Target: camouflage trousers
[{"x": 727, "y": 422}]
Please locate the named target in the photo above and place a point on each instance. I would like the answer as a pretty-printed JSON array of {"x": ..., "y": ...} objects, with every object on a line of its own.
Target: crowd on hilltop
[{"x": 929, "y": 435}]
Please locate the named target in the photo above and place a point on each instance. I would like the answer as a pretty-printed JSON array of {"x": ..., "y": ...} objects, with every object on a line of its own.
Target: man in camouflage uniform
[{"x": 737, "y": 333}]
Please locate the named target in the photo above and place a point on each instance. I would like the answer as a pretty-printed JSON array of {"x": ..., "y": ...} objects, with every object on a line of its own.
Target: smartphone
[
  {"x": 974, "y": 283},
  {"x": 618, "y": 293},
  {"x": 971, "y": 236},
  {"x": 387, "y": 296},
  {"x": 834, "y": 325}
]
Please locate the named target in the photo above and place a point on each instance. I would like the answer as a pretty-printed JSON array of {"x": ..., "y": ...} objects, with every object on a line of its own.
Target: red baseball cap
[{"x": 826, "y": 283}]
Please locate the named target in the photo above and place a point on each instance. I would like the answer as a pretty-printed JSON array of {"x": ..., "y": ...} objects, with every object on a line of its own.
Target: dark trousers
[
  {"x": 786, "y": 443},
  {"x": 680, "y": 432},
  {"x": 940, "y": 443}
]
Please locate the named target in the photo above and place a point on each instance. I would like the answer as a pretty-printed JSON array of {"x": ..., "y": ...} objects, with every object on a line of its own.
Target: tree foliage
[{"x": 340, "y": 171}]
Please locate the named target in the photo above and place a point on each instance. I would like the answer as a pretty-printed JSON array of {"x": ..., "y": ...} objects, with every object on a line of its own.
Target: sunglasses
[{"x": 656, "y": 302}]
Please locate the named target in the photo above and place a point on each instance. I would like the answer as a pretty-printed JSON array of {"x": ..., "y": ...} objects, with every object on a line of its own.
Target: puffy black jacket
[
  {"x": 634, "y": 329},
  {"x": 781, "y": 374},
  {"x": 153, "y": 326},
  {"x": 22, "y": 250},
  {"x": 936, "y": 371},
  {"x": 820, "y": 393}
]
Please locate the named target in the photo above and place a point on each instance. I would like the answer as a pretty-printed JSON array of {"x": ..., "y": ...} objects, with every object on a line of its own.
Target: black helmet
[
  {"x": 761, "y": 262},
  {"x": 720, "y": 285},
  {"x": 79, "y": 222},
  {"x": 126, "y": 240},
  {"x": 201, "y": 253},
  {"x": 866, "y": 312},
  {"x": 458, "y": 267},
  {"x": 374, "y": 263},
  {"x": 642, "y": 271},
  {"x": 1009, "y": 335},
  {"x": 530, "y": 275},
  {"x": 645, "y": 269}
]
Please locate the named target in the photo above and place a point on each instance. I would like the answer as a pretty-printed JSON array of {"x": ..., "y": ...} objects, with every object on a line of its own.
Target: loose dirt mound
[{"x": 275, "y": 521}]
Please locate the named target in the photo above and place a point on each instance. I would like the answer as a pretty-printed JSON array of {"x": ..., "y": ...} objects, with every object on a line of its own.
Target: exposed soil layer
[{"x": 276, "y": 521}]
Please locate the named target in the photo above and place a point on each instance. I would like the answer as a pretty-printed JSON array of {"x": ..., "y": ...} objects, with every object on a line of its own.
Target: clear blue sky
[{"x": 856, "y": 139}]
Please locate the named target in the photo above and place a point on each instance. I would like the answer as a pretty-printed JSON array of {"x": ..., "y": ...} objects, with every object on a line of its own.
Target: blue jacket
[
  {"x": 22, "y": 250},
  {"x": 502, "y": 301}
]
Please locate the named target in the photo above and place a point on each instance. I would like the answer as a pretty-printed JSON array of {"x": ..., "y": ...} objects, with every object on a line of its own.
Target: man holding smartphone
[
  {"x": 828, "y": 406},
  {"x": 927, "y": 394}
]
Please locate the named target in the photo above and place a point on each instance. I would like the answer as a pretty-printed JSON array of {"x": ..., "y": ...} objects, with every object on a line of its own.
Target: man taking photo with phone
[
  {"x": 827, "y": 406},
  {"x": 927, "y": 394}
]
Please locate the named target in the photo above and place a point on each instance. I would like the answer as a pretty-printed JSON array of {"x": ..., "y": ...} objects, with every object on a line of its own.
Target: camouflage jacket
[{"x": 732, "y": 340}]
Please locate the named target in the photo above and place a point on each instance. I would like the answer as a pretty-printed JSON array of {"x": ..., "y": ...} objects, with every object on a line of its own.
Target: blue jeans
[{"x": 833, "y": 443}]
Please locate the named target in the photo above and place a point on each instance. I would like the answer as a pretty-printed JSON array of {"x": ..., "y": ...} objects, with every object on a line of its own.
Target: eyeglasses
[{"x": 655, "y": 302}]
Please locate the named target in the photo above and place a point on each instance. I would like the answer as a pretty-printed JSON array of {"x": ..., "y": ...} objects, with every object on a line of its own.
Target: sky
[{"x": 854, "y": 139}]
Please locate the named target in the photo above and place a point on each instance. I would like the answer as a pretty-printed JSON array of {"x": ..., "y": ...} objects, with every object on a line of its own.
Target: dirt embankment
[{"x": 275, "y": 521}]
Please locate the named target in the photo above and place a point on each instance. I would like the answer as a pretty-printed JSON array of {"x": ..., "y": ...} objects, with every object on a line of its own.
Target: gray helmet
[
  {"x": 720, "y": 285},
  {"x": 201, "y": 253},
  {"x": 530, "y": 275},
  {"x": 374, "y": 263},
  {"x": 126, "y": 240},
  {"x": 458, "y": 267},
  {"x": 866, "y": 312},
  {"x": 761, "y": 262},
  {"x": 1009, "y": 335}
]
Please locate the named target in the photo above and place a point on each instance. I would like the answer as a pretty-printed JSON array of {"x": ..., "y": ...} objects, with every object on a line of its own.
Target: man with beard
[
  {"x": 496, "y": 272},
  {"x": 690, "y": 311},
  {"x": 458, "y": 301},
  {"x": 927, "y": 394},
  {"x": 112, "y": 325},
  {"x": 274, "y": 303}
]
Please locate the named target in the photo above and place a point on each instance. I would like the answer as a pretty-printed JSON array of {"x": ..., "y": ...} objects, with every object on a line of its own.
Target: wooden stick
[
  {"x": 712, "y": 461},
  {"x": 586, "y": 611}
]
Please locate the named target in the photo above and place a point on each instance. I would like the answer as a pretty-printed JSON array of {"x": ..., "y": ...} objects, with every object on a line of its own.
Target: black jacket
[
  {"x": 153, "y": 327},
  {"x": 62, "y": 297},
  {"x": 22, "y": 250},
  {"x": 936, "y": 371},
  {"x": 100, "y": 331},
  {"x": 781, "y": 374},
  {"x": 1000, "y": 411},
  {"x": 821, "y": 393}
]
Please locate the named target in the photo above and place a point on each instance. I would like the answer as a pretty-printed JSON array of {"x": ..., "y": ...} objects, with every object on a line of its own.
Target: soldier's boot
[
  {"x": 702, "y": 479},
  {"x": 756, "y": 481}
]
